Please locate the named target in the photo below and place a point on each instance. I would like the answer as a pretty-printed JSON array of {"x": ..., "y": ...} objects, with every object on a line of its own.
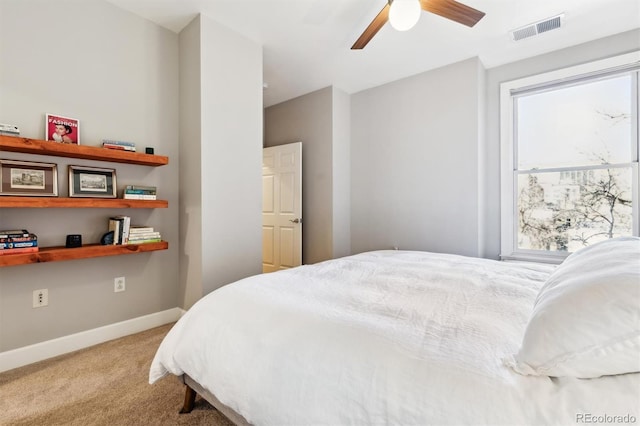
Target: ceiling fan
[{"x": 396, "y": 10}]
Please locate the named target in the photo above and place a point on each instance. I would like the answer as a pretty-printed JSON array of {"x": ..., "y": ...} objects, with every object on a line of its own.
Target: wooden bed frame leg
[{"x": 189, "y": 400}]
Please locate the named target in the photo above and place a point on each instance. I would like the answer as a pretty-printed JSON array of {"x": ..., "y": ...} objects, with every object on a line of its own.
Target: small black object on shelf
[
  {"x": 107, "y": 239},
  {"x": 148, "y": 150},
  {"x": 74, "y": 240}
]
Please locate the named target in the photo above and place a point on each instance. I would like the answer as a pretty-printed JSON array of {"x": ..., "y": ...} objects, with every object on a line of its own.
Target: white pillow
[{"x": 586, "y": 319}]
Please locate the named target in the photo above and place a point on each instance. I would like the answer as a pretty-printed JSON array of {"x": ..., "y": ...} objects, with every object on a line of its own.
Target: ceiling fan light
[{"x": 404, "y": 14}]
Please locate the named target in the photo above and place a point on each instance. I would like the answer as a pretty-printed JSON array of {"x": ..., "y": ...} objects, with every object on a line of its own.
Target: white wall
[
  {"x": 414, "y": 162},
  {"x": 118, "y": 74},
  {"x": 229, "y": 148}
]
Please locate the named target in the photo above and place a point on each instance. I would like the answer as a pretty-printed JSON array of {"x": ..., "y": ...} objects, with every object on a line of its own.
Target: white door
[{"x": 281, "y": 207}]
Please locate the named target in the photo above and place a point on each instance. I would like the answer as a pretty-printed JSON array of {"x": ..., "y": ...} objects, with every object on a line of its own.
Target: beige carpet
[{"x": 107, "y": 384}]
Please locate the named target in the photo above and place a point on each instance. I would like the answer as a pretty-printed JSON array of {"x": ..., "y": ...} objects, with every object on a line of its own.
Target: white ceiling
[{"x": 307, "y": 42}]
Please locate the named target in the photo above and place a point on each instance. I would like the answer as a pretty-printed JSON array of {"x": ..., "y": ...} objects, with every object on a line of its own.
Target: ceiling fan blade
[
  {"x": 453, "y": 10},
  {"x": 373, "y": 28}
]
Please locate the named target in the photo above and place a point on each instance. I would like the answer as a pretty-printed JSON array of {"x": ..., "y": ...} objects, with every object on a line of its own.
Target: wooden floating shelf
[
  {"x": 62, "y": 202},
  {"x": 42, "y": 147},
  {"x": 58, "y": 254}
]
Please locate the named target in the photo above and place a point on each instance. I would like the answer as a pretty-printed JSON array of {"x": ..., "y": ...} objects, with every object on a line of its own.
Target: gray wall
[
  {"x": 220, "y": 215},
  {"x": 118, "y": 74},
  {"x": 308, "y": 119},
  {"x": 321, "y": 120},
  {"x": 426, "y": 153},
  {"x": 190, "y": 165},
  {"x": 414, "y": 162},
  {"x": 341, "y": 176}
]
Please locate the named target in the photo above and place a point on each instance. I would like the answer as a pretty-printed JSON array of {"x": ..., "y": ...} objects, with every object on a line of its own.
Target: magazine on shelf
[{"x": 62, "y": 129}]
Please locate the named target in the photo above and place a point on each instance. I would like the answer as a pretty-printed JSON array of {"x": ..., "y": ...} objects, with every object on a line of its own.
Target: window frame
[{"x": 509, "y": 92}]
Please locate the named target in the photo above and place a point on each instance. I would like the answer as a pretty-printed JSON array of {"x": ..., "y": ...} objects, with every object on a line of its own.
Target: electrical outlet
[
  {"x": 119, "y": 284},
  {"x": 40, "y": 298}
]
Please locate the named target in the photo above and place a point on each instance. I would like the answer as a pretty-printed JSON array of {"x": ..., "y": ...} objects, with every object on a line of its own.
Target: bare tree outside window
[{"x": 572, "y": 210}]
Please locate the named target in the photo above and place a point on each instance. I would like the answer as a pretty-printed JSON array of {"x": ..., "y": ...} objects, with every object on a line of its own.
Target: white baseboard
[{"x": 37, "y": 352}]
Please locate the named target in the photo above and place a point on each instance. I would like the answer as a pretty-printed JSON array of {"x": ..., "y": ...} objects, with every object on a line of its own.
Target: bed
[{"x": 418, "y": 338}]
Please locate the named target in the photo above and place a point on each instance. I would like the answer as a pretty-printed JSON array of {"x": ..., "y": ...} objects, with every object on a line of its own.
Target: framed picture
[
  {"x": 62, "y": 129},
  {"x": 28, "y": 178},
  {"x": 92, "y": 182}
]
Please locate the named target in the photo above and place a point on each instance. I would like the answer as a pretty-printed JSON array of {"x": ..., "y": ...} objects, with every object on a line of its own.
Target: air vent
[{"x": 537, "y": 27}]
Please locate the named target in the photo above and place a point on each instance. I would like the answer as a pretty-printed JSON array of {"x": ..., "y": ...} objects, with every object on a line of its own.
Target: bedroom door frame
[{"x": 281, "y": 207}]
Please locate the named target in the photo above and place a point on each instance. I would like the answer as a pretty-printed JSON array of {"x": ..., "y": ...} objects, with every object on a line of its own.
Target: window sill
[{"x": 537, "y": 258}]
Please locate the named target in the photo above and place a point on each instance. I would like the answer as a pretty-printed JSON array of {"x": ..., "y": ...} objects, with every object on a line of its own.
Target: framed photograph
[
  {"x": 62, "y": 129},
  {"x": 92, "y": 182},
  {"x": 28, "y": 178}
]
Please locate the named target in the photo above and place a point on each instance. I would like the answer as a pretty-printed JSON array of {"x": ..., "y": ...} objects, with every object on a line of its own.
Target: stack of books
[
  {"x": 121, "y": 145},
  {"x": 125, "y": 233},
  {"x": 139, "y": 192},
  {"x": 18, "y": 241},
  {"x": 143, "y": 234},
  {"x": 9, "y": 130}
]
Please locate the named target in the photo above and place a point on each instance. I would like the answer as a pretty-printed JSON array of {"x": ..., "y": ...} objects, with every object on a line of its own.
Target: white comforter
[{"x": 386, "y": 337}]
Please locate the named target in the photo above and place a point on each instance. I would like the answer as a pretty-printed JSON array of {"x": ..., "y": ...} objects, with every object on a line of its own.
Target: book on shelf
[
  {"x": 151, "y": 240},
  {"x": 120, "y": 227},
  {"x": 147, "y": 230},
  {"x": 114, "y": 225},
  {"x": 140, "y": 189},
  {"x": 9, "y": 130},
  {"x": 18, "y": 244},
  {"x": 126, "y": 196},
  {"x": 31, "y": 237},
  {"x": 140, "y": 229},
  {"x": 17, "y": 239},
  {"x": 14, "y": 233},
  {"x": 120, "y": 147},
  {"x": 140, "y": 234},
  {"x": 117, "y": 142},
  {"x": 19, "y": 250}
]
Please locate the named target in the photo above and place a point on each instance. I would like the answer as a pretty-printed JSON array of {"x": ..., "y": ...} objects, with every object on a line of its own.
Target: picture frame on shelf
[
  {"x": 62, "y": 129},
  {"x": 28, "y": 178},
  {"x": 92, "y": 182}
]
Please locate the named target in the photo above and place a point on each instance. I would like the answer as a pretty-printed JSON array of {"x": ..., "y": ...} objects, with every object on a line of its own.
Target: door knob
[{"x": 296, "y": 220}]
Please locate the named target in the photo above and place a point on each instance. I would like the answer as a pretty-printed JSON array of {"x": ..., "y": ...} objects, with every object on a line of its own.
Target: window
[{"x": 569, "y": 159}]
